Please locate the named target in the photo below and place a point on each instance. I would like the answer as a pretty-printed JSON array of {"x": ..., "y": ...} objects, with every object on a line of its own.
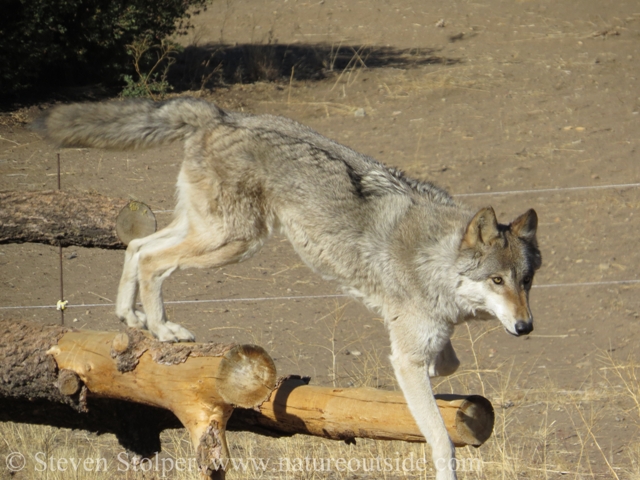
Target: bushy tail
[{"x": 126, "y": 125}]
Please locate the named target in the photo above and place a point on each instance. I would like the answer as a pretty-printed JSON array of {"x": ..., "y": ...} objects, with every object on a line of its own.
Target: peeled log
[
  {"x": 347, "y": 413},
  {"x": 134, "y": 386},
  {"x": 56, "y": 217},
  {"x": 199, "y": 383}
]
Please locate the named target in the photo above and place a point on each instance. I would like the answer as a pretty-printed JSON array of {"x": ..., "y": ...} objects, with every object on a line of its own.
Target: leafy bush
[
  {"x": 151, "y": 69},
  {"x": 48, "y": 43}
]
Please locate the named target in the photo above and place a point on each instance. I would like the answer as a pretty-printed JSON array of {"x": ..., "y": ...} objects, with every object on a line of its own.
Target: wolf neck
[{"x": 425, "y": 248}]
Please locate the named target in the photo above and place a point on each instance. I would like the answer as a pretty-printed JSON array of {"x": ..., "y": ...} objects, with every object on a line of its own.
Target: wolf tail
[{"x": 127, "y": 125}]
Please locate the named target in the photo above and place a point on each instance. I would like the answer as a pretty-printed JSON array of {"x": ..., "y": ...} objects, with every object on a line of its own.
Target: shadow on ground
[
  {"x": 212, "y": 65},
  {"x": 206, "y": 66}
]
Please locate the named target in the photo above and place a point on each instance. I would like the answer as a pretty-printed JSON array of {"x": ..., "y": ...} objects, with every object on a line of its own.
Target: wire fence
[{"x": 66, "y": 305}]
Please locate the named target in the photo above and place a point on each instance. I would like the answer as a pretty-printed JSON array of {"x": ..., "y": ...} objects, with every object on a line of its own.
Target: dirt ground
[{"x": 514, "y": 104}]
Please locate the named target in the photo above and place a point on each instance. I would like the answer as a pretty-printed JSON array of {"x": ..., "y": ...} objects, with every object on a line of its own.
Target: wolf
[{"x": 406, "y": 248}]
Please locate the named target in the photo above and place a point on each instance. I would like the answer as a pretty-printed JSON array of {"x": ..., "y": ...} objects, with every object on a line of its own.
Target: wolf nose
[{"x": 524, "y": 328}]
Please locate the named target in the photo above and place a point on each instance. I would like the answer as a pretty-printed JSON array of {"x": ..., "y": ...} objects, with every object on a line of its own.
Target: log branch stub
[
  {"x": 212, "y": 446},
  {"x": 68, "y": 382},
  {"x": 119, "y": 345}
]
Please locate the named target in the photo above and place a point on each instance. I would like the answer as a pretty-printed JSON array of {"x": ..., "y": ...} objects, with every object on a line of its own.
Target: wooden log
[
  {"x": 347, "y": 413},
  {"x": 84, "y": 219},
  {"x": 33, "y": 390},
  {"x": 134, "y": 386},
  {"x": 199, "y": 383}
]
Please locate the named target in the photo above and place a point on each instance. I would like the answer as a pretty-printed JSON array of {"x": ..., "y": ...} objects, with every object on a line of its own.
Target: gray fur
[
  {"x": 405, "y": 247},
  {"x": 126, "y": 125}
]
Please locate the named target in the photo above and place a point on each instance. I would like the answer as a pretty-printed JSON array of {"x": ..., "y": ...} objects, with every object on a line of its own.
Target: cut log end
[
  {"x": 135, "y": 220},
  {"x": 246, "y": 376},
  {"x": 474, "y": 420},
  {"x": 469, "y": 419}
]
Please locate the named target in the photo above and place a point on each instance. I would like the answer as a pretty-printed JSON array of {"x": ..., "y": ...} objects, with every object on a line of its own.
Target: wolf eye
[
  {"x": 497, "y": 280},
  {"x": 526, "y": 280}
]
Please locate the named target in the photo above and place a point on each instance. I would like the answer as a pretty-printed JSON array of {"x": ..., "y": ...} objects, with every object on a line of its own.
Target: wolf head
[{"x": 496, "y": 264}]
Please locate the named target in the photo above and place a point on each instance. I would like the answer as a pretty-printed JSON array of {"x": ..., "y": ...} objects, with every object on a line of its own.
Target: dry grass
[{"x": 525, "y": 443}]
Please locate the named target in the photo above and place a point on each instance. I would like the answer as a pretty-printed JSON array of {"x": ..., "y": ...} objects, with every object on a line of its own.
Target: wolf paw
[
  {"x": 134, "y": 319},
  {"x": 172, "y": 332}
]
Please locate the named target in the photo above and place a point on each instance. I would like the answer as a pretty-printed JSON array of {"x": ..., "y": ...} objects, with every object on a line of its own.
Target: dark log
[{"x": 56, "y": 217}]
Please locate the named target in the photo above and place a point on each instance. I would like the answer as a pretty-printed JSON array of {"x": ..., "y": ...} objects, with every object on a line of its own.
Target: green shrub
[
  {"x": 50, "y": 43},
  {"x": 151, "y": 64}
]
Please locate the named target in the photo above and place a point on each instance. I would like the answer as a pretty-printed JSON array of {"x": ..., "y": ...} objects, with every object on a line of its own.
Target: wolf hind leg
[
  {"x": 157, "y": 265},
  {"x": 128, "y": 288}
]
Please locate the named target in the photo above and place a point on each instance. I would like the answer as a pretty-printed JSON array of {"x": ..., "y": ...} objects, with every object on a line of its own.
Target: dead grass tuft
[{"x": 540, "y": 450}]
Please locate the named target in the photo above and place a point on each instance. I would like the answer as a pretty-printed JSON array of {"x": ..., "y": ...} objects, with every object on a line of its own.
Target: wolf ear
[
  {"x": 481, "y": 230},
  {"x": 525, "y": 225}
]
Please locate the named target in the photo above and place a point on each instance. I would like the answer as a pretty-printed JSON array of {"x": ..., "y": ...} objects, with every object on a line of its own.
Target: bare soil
[{"x": 505, "y": 103}]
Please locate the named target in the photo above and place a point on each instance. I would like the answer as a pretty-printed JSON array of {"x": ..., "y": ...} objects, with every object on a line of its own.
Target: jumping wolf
[{"x": 405, "y": 247}]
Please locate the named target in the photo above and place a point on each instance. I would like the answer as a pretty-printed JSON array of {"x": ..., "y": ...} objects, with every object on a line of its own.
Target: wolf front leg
[
  {"x": 412, "y": 372},
  {"x": 445, "y": 363}
]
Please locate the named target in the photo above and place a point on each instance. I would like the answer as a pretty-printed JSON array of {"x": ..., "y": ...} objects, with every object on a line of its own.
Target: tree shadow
[
  {"x": 212, "y": 65},
  {"x": 207, "y": 66}
]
